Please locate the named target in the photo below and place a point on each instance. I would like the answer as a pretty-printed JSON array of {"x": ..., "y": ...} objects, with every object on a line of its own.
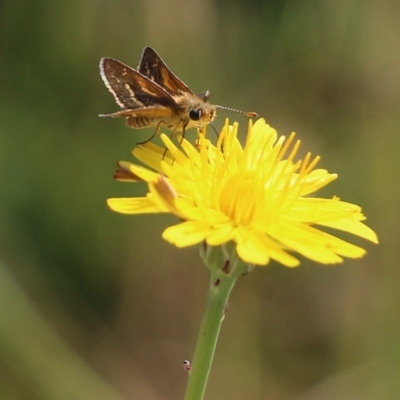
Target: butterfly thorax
[{"x": 190, "y": 111}]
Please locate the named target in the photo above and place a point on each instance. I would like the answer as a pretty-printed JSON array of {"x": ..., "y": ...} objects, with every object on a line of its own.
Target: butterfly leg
[{"x": 152, "y": 136}]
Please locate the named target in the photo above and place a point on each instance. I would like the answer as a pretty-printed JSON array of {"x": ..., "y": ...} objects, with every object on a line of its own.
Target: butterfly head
[{"x": 196, "y": 112}]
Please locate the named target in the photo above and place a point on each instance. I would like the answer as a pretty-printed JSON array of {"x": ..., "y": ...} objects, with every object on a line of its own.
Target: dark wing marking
[
  {"x": 130, "y": 88},
  {"x": 152, "y": 66}
]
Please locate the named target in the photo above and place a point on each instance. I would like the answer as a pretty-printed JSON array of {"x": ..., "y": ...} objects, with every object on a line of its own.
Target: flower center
[{"x": 241, "y": 197}]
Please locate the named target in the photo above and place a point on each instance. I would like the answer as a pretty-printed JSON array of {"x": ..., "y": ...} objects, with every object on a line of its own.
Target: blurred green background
[{"x": 93, "y": 304}]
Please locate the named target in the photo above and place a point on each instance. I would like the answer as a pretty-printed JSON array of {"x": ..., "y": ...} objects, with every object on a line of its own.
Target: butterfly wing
[
  {"x": 131, "y": 89},
  {"x": 154, "y": 68}
]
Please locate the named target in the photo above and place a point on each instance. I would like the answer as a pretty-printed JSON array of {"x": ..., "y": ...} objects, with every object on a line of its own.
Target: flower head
[{"x": 255, "y": 195}]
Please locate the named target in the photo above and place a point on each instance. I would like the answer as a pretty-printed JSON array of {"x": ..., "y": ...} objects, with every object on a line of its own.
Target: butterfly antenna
[
  {"x": 214, "y": 129},
  {"x": 250, "y": 114}
]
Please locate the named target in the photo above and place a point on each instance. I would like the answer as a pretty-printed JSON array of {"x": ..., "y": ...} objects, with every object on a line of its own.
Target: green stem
[
  {"x": 221, "y": 283},
  {"x": 209, "y": 330}
]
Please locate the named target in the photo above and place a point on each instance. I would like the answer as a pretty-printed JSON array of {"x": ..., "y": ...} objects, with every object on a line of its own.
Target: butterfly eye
[{"x": 195, "y": 114}]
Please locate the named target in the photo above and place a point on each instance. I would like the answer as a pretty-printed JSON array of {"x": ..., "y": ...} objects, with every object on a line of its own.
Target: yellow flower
[{"x": 250, "y": 195}]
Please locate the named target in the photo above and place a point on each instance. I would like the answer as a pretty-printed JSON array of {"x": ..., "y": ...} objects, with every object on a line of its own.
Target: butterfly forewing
[
  {"x": 130, "y": 88},
  {"x": 153, "y": 67}
]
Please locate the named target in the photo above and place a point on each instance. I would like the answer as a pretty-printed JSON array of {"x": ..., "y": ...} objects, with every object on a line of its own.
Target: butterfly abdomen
[{"x": 139, "y": 122}]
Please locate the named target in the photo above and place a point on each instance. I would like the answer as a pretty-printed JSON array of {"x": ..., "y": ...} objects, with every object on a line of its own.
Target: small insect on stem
[
  {"x": 152, "y": 95},
  {"x": 187, "y": 366}
]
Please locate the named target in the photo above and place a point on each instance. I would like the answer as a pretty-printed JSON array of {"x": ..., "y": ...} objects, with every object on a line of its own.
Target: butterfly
[{"x": 152, "y": 95}]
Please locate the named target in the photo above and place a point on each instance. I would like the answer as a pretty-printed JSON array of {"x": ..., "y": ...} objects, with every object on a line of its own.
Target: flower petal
[
  {"x": 187, "y": 233},
  {"x": 133, "y": 205}
]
